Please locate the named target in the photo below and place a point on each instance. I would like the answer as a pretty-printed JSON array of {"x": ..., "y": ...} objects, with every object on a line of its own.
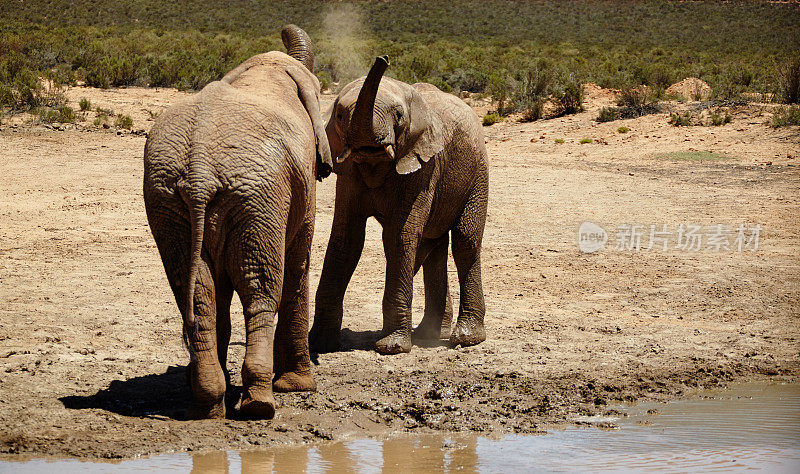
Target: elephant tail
[{"x": 197, "y": 201}]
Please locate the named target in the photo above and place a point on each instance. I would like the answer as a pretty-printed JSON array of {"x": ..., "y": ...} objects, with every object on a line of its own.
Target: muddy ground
[{"x": 91, "y": 358}]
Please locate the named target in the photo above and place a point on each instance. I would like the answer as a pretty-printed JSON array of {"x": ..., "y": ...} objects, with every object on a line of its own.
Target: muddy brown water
[{"x": 747, "y": 426}]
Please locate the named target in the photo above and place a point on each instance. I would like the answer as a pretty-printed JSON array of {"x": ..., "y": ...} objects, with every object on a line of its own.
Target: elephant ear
[
  {"x": 423, "y": 140},
  {"x": 334, "y": 140},
  {"x": 308, "y": 92}
]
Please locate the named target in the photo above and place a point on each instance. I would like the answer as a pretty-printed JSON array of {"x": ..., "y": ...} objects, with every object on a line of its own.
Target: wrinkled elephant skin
[
  {"x": 414, "y": 158},
  {"x": 229, "y": 189}
]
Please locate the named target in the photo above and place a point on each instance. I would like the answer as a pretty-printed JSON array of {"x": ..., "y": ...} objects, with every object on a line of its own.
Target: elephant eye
[{"x": 398, "y": 115}]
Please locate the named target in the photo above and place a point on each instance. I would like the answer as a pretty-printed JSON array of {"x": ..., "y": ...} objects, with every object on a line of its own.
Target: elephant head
[{"x": 375, "y": 121}]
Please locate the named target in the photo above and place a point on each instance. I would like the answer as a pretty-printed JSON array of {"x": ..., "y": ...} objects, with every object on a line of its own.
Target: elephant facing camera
[{"x": 412, "y": 157}]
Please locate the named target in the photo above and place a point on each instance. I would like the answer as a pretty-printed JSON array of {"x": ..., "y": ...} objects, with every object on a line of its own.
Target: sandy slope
[{"x": 91, "y": 360}]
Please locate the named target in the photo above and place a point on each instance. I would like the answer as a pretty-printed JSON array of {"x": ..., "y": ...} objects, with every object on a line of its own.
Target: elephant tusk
[
  {"x": 389, "y": 150},
  {"x": 345, "y": 154}
]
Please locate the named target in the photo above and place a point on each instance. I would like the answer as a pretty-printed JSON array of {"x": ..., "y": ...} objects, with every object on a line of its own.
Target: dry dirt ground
[{"x": 91, "y": 358}]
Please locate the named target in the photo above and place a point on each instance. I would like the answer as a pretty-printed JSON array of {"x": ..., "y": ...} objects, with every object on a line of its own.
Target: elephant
[
  {"x": 229, "y": 192},
  {"x": 414, "y": 158}
]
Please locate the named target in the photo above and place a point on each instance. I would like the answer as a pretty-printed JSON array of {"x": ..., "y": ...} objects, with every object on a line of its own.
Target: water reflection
[
  {"x": 430, "y": 453},
  {"x": 752, "y": 426}
]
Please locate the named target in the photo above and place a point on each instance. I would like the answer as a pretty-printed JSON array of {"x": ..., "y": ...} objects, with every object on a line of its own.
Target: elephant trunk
[
  {"x": 298, "y": 45},
  {"x": 365, "y": 104}
]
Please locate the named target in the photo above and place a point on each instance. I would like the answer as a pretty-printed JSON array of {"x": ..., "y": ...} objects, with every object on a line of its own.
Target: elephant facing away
[
  {"x": 413, "y": 157},
  {"x": 229, "y": 190}
]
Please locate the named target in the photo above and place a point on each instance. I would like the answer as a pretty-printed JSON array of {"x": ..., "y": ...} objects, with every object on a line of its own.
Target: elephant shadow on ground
[
  {"x": 365, "y": 341},
  {"x": 165, "y": 395}
]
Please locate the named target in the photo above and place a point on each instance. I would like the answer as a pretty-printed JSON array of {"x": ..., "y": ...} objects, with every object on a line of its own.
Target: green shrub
[
  {"x": 85, "y": 104},
  {"x": 533, "y": 111},
  {"x": 559, "y": 140},
  {"x": 790, "y": 82},
  {"x": 501, "y": 90},
  {"x": 62, "y": 114},
  {"x": 531, "y": 90},
  {"x": 585, "y": 141},
  {"x": 491, "y": 119},
  {"x": 636, "y": 102},
  {"x": 124, "y": 121},
  {"x": 569, "y": 99},
  {"x": 785, "y": 116},
  {"x": 467, "y": 79},
  {"x": 720, "y": 119},
  {"x": 609, "y": 114},
  {"x": 680, "y": 120},
  {"x": 623, "y": 130},
  {"x": 66, "y": 114}
]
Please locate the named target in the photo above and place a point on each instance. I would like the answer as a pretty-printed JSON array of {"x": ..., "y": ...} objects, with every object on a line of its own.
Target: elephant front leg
[
  {"x": 400, "y": 249},
  {"x": 438, "y": 316},
  {"x": 467, "y": 236},
  {"x": 341, "y": 257}
]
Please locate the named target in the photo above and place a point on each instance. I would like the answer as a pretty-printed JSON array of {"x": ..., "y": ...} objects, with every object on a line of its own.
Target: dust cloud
[{"x": 344, "y": 44}]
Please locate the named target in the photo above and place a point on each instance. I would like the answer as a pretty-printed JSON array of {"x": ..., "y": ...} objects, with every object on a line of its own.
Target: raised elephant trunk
[
  {"x": 298, "y": 45},
  {"x": 365, "y": 104}
]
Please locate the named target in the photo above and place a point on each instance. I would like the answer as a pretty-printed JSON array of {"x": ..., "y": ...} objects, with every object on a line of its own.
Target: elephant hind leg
[
  {"x": 438, "y": 316},
  {"x": 292, "y": 359},
  {"x": 256, "y": 269},
  {"x": 224, "y": 290},
  {"x": 467, "y": 236},
  {"x": 171, "y": 232},
  {"x": 206, "y": 374}
]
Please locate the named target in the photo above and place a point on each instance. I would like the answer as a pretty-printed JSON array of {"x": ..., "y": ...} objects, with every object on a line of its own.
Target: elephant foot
[
  {"x": 465, "y": 334},
  {"x": 294, "y": 382},
  {"x": 395, "y": 343},
  {"x": 322, "y": 340},
  {"x": 204, "y": 411},
  {"x": 258, "y": 403}
]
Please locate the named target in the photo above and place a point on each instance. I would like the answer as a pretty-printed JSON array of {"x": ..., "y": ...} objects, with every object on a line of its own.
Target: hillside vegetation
[{"x": 518, "y": 49}]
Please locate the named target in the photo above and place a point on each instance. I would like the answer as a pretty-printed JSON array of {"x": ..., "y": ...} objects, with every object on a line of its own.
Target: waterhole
[{"x": 748, "y": 426}]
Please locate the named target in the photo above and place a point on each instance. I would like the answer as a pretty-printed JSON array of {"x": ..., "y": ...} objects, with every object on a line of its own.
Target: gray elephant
[
  {"x": 229, "y": 189},
  {"x": 413, "y": 157}
]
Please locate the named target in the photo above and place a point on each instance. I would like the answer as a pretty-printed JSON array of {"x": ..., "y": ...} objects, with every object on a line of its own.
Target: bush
[
  {"x": 720, "y": 119},
  {"x": 623, "y": 130},
  {"x": 569, "y": 99},
  {"x": 609, "y": 114},
  {"x": 559, "y": 140},
  {"x": 680, "y": 120},
  {"x": 124, "y": 121},
  {"x": 491, "y": 119},
  {"x": 501, "y": 90},
  {"x": 85, "y": 104},
  {"x": 62, "y": 114},
  {"x": 790, "y": 82},
  {"x": 585, "y": 141},
  {"x": 636, "y": 102},
  {"x": 531, "y": 91},
  {"x": 469, "y": 79},
  {"x": 785, "y": 116}
]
